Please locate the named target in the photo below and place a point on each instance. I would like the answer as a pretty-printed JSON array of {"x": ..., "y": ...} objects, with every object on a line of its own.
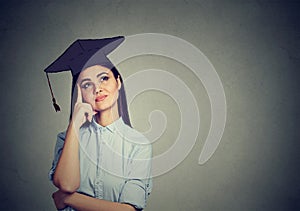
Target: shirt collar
[{"x": 111, "y": 127}]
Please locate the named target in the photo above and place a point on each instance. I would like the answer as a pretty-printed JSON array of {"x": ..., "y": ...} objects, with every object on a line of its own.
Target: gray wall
[{"x": 254, "y": 46}]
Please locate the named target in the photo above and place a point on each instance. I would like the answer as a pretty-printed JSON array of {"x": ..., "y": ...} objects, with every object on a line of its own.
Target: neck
[{"x": 108, "y": 116}]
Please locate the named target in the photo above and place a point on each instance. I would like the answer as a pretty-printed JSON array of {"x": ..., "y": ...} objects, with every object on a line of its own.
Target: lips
[{"x": 100, "y": 98}]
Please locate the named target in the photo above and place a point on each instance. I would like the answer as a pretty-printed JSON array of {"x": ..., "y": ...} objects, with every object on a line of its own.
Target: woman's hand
[
  {"x": 59, "y": 199},
  {"x": 82, "y": 111}
]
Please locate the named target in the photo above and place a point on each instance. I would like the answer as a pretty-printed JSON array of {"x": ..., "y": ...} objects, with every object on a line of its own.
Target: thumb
[{"x": 79, "y": 95}]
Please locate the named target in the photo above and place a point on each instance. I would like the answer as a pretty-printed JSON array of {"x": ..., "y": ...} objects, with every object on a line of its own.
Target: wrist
[
  {"x": 74, "y": 126},
  {"x": 67, "y": 199}
]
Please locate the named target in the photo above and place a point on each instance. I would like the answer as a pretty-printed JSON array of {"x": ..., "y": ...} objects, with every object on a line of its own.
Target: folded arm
[{"x": 82, "y": 202}]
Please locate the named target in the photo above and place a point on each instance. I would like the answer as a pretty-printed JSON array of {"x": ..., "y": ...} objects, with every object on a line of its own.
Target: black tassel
[{"x": 56, "y": 106}]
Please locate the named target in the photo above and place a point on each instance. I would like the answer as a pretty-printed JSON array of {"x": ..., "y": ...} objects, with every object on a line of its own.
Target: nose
[{"x": 98, "y": 88}]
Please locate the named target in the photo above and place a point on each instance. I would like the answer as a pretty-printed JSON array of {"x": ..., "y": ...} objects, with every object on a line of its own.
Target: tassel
[{"x": 56, "y": 106}]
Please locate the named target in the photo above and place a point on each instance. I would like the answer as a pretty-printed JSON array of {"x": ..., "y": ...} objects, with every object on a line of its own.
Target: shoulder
[
  {"x": 134, "y": 136},
  {"x": 61, "y": 136}
]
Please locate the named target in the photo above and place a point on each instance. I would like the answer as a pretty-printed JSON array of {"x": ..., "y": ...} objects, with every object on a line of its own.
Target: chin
[{"x": 105, "y": 107}]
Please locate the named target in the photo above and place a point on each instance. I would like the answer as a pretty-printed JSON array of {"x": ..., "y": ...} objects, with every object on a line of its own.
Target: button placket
[{"x": 98, "y": 180}]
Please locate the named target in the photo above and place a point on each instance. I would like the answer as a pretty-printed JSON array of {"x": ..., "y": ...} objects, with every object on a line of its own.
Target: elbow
[
  {"x": 128, "y": 207},
  {"x": 132, "y": 209},
  {"x": 66, "y": 186}
]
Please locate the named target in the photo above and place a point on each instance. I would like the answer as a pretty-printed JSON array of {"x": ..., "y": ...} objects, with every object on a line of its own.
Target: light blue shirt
[{"x": 115, "y": 163}]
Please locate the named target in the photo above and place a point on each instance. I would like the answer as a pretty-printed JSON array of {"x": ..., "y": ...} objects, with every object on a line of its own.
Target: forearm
[
  {"x": 82, "y": 202},
  {"x": 67, "y": 173}
]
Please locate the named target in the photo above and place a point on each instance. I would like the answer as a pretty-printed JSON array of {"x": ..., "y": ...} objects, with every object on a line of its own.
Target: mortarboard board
[{"x": 82, "y": 54}]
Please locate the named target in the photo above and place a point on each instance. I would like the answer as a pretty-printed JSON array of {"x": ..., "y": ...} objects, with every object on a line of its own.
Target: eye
[
  {"x": 104, "y": 78},
  {"x": 86, "y": 85}
]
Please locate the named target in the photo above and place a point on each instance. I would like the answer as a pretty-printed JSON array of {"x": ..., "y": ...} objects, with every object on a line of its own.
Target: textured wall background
[{"x": 254, "y": 46}]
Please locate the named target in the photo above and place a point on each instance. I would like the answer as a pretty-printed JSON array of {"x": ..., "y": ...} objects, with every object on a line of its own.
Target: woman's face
[{"x": 99, "y": 87}]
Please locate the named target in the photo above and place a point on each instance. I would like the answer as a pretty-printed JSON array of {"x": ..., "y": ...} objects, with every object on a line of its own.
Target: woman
[{"x": 100, "y": 163}]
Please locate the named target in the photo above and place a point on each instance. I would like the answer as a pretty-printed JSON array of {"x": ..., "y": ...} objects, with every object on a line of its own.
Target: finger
[
  {"x": 90, "y": 114},
  {"x": 79, "y": 95},
  {"x": 90, "y": 118},
  {"x": 87, "y": 111}
]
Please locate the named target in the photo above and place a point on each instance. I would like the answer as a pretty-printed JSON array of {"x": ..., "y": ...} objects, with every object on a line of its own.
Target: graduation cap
[{"x": 82, "y": 54}]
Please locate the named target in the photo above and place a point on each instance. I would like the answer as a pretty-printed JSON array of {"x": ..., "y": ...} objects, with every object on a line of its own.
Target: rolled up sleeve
[
  {"x": 57, "y": 153},
  {"x": 138, "y": 185},
  {"x": 136, "y": 193}
]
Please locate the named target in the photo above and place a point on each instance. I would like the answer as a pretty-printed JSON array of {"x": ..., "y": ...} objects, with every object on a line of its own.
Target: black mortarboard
[{"x": 82, "y": 54}]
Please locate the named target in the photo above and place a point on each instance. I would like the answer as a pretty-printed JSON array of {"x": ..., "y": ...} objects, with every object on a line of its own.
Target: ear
[{"x": 119, "y": 82}]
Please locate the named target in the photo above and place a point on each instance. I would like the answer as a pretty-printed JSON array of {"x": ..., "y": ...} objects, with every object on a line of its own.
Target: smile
[{"x": 100, "y": 98}]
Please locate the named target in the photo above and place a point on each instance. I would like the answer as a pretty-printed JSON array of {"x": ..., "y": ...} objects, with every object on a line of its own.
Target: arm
[
  {"x": 82, "y": 202},
  {"x": 67, "y": 173}
]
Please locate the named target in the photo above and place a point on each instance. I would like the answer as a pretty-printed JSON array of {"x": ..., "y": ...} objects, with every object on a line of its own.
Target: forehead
[{"x": 93, "y": 71}]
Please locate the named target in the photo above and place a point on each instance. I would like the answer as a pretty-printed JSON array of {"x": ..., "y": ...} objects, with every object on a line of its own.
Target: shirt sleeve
[
  {"x": 138, "y": 185},
  {"x": 57, "y": 153}
]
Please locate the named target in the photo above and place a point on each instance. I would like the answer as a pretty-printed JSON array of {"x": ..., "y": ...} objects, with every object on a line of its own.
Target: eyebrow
[
  {"x": 88, "y": 79},
  {"x": 103, "y": 73}
]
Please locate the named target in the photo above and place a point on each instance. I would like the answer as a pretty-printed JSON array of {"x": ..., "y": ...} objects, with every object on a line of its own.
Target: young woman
[{"x": 101, "y": 162}]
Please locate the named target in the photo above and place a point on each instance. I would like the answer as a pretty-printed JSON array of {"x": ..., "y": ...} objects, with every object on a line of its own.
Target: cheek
[
  {"x": 88, "y": 97},
  {"x": 114, "y": 91}
]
